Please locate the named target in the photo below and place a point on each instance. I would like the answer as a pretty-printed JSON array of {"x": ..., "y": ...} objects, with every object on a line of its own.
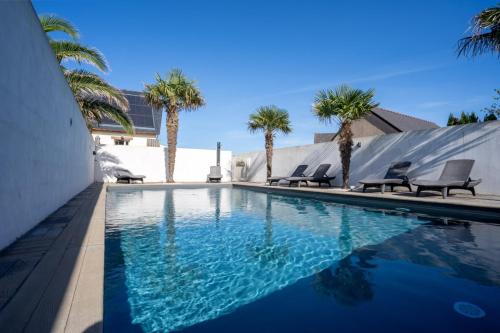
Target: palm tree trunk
[
  {"x": 269, "y": 152},
  {"x": 345, "y": 147},
  {"x": 172, "y": 128}
]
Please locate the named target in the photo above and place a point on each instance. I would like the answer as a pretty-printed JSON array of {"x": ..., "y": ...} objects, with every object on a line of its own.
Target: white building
[
  {"x": 147, "y": 122},
  {"x": 142, "y": 154}
]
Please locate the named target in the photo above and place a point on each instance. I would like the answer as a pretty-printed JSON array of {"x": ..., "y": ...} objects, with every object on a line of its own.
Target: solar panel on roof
[{"x": 139, "y": 112}]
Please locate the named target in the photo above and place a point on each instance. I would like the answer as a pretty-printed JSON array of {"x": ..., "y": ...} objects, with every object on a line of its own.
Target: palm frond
[
  {"x": 84, "y": 83},
  {"x": 324, "y": 106},
  {"x": 98, "y": 99},
  {"x": 479, "y": 44},
  {"x": 488, "y": 18},
  {"x": 96, "y": 110},
  {"x": 485, "y": 34},
  {"x": 69, "y": 50},
  {"x": 153, "y": 96},
  {"x": 51, "y": 23}
]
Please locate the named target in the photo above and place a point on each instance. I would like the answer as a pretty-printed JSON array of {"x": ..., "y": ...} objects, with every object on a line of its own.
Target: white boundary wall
[
  {"x": 46, "y": 155},
  {"x": 427, "y": 149},
  {"x": 191, "y": 165}
]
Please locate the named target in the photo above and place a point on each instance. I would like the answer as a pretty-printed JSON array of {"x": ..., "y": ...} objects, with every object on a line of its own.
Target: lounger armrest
[{"x": 473, "y": 182}]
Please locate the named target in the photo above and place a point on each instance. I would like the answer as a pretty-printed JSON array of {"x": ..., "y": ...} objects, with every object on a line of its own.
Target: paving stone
[
  {"x": 88, "y": 294},
  {"x": 40, "y": 272},
  {"x": 13, "y": 278},
  {"x": 5, "y": 267}
]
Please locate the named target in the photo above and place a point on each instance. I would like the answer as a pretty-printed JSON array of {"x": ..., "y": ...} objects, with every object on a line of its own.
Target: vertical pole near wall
[{"x": 218, "y": 153}]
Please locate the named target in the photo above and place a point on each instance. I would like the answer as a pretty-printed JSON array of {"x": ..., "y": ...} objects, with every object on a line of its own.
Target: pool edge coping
[
  {"x": 444, "y": 208},
  {"x": 87, "y": 306}
]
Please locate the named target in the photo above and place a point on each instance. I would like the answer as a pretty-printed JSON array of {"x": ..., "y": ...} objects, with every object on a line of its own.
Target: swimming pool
[{"x": 222, "y": 259}]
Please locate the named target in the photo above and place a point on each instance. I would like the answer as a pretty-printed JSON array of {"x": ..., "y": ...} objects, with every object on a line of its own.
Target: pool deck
[{"x": 52, "y": 278}]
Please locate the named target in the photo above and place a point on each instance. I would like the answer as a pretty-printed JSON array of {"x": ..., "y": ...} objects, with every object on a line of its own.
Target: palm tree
[
  {"x": 174, "y": 93},
  {"x": 270, "y": 120},
  {"x": 97, "y": 99},
  {"x": 485, "y": 34},
  {"x": 344, "y": 105}
]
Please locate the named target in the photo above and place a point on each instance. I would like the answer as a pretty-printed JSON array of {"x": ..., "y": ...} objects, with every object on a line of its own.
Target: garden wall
[
  {"x": 46, "y": 155},
  {"x": 427, "y": 149},
  {"x": 191, "y": 165}
]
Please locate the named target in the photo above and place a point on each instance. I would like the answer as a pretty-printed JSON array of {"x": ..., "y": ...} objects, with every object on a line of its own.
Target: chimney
[{"x": 218, "y": 153}]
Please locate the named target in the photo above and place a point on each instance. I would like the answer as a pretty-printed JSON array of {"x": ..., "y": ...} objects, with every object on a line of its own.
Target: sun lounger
[
  {"x": 455, "y": 175},
  {"x": 215, "y": 174},
  {"x": 126, "y": 175},
  {"x": 319, "y": 176},
  {"x": 396, "y": 176},
  {"x": 299, "y": 172}
]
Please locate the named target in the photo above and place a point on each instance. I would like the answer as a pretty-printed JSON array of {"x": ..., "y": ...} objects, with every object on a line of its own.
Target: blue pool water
[{"x": 235, "y": 260}]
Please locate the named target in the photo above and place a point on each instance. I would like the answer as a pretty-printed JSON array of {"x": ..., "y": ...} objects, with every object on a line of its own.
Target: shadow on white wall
[{"x": 428, "y": 150}]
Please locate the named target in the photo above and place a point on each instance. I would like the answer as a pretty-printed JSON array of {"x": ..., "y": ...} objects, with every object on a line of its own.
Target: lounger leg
[
  {"x": 409, "y": 187},
  {"x": 473, "y": 191},
  {"x": 418, "y": 191},
  {"x": 382, "y": 188},
  {"x": 444, "y": 192},
  {"x": 364, "y": 188},
  {"x": 392, "y": 188}
]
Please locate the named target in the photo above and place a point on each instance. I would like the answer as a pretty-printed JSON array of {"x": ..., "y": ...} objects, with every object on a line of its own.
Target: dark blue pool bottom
[{"x": 408, "y": 283}]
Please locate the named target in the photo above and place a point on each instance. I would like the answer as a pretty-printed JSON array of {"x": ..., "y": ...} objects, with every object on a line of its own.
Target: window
[
  {"x": 121, "y": 141},
  {"x": 152, "y": 143}
]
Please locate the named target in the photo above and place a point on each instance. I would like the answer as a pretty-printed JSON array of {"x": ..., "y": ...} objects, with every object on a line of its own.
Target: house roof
[
  {"x": 403, "y": 122},
  {"x": 388, "y": 122},
  {"x": 145, "y": 118},
  {"x": 324, "y": 137}
]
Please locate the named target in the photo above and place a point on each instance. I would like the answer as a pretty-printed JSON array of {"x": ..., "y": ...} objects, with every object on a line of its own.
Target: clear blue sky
[{"x": 244, "y": 54}]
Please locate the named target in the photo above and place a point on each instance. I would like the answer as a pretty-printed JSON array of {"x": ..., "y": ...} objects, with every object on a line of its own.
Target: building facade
[{"x": 146, "y": 120}]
